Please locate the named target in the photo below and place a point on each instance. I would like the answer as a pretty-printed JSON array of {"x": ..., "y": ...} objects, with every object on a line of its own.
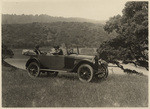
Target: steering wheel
[
  {"x": 44, "y": 53},
  {"x": 71, "y": 51}
]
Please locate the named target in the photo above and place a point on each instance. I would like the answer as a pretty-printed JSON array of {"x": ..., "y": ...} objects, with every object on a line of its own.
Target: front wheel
[
  {"x": 85, "y": 73},
  {"x": 102, "y": 72},
  {"x": 33, "y": 69}
]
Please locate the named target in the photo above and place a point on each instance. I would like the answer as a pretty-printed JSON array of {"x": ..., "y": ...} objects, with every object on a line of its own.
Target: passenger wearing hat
[
  {"x": 37, "y": 50},
  {"x": 58, "y": 51}
]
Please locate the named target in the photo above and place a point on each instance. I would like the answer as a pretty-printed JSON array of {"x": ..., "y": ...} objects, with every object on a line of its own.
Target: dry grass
[{"x": 19, "y": 90}]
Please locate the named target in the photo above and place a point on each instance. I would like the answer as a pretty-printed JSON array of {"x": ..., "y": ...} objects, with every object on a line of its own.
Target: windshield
[{"x": 83, "y": 51}]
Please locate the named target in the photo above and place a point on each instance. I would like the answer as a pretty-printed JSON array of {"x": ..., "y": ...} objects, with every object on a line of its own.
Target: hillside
[
  {"x": 43, "y": 18},
  {"x": 48, "y": 34},
  {"x": 65, "y": 90}
]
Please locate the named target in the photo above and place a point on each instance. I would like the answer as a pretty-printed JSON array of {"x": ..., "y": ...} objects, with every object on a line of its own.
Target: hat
[
  {"x": 37, "y": 46},
  {"x": 56, "y": 46}
]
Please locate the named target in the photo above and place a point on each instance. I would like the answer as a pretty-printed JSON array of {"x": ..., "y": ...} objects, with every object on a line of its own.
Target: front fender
[
  {"x": 104, "y": 63},
  {"x": 80, "y": 62}
]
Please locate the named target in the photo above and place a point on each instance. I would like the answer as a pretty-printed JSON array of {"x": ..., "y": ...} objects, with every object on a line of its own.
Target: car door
[
  {"x": 55, "y": 62},
  {"x": 69, "y": 61}
]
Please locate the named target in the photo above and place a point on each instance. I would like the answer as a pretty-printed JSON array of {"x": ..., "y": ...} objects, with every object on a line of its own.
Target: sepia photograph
[{"x": 74, "y": 53}]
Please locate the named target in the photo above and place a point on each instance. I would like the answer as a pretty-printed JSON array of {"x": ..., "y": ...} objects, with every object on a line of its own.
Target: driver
[{"x": 58, "y": 51}]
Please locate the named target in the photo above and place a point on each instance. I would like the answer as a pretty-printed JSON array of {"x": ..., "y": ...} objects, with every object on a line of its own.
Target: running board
[{"x": 52, "y": 70}]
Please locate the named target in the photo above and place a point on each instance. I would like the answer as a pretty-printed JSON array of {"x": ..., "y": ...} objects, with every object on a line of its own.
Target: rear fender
[{"x": 33, "y": 59}]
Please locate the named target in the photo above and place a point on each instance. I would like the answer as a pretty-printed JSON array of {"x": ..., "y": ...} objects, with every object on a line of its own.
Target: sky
[{"x": 90, "y": 9}]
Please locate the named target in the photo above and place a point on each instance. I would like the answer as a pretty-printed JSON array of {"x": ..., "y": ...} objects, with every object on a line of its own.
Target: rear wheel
[
  {"x": 85, "y": 73},
  {"x": 33, "y": 69}
]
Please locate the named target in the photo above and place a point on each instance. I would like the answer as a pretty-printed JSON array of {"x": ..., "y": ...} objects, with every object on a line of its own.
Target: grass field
[{"x": 65, "y": 90}]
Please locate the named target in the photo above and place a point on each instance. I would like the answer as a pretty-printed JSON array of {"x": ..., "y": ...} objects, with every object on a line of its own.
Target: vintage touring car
[{"x": 88, "y": 68}]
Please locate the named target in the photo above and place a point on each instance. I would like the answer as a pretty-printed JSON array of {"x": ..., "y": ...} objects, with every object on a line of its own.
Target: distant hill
[
  {"x": 47, "y": 34},
  {"x": 43, "y": 18}
]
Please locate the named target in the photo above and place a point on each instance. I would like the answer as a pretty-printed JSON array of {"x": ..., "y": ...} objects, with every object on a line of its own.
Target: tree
[
  {"x": 6, "y": 52},
  {"x": 131, "y": 44}
]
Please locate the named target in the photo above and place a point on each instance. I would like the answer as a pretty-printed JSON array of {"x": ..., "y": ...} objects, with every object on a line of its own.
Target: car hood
[{"x": 85, "y": 57}]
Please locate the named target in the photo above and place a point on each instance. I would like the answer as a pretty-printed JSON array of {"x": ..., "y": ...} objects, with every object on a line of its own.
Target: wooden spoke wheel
[
  {"x": 102, "y": 73},
  {"x": 33, "y": 69},
  {"x": 85, "y": 73}
]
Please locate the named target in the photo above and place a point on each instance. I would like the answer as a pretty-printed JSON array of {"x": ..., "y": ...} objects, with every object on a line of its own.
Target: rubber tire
[
  {"x": 91, "y": 71},
  {"x": 106, "y": 75},
  {"x": 38, "y": 69}
]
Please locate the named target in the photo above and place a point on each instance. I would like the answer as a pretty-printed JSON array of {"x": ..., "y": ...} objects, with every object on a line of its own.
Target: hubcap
[
  {"x": 33, "y": 70},
  {"x": 85, "y": 73}
]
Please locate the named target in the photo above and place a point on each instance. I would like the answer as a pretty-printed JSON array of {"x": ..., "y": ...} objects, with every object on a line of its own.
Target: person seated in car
[
  {"x": 58, "y": 51},
  {"x": 37, "y": 50}
]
